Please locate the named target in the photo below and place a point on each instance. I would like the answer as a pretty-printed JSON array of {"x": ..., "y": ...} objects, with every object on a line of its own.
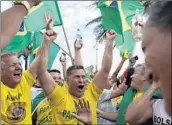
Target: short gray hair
[
  {"x": 142, "y": 67},
  {"x": 4, "y": 56}
]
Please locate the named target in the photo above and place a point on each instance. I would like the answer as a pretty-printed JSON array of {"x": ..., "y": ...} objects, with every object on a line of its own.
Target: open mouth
[
  {"x": 17, "y": 75},
  {"x": 81, "y": 87}
]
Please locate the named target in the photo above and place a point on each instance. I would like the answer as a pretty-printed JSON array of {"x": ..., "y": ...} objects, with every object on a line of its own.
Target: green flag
[
  {"x": 35, "y": 20},
  {"x": 20, "y": 41},
  {"x": 54, "y": 49},
  {"x": 117, "y": 15},
  {"x": 37, "y": 100},
  {"x": 88, "y": 71}
]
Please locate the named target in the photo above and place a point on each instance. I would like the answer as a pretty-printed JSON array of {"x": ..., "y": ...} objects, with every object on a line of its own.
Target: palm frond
[
  {"x": 93, "y": 5},
  {"x": 98, "y": 32},
  {"x": 96, "y": 20},
  {"x": 147, "y": 4}
]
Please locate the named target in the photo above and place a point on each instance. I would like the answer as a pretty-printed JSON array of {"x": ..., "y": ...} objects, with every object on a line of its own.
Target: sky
[{"x": 76, "y": 14}]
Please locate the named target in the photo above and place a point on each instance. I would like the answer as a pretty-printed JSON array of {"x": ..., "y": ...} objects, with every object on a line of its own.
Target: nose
[
  {"x": 81, "y": 80},
  {"x": 18, "y": 66}
]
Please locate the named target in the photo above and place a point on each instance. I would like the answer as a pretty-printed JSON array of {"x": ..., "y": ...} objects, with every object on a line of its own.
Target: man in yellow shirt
[
  {"x": 64, "y": 103},
  {"x": 16, "y": 88},
  {"x": 41, "y": 110}
]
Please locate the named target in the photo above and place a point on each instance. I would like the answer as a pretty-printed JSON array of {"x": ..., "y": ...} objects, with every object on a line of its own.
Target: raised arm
[
  {"x": 78, "y": 57},
  {"x": 101, "y": 76},
  {"x": 46, "y": 81},
  {"x": 11, "y": 20},
  {"x": 120, "y": 90},
  {"x": 141, "y": 109},
  {"x": 115, "y": 74},
  {"x": 64, "y": 68}
]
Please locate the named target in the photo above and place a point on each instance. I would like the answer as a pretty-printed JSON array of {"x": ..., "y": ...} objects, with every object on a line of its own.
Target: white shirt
[{"x": 160, "y": 116}]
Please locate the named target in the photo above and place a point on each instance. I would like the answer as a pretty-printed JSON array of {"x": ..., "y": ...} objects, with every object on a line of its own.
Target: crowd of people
[{"x": 141, "y": 95}]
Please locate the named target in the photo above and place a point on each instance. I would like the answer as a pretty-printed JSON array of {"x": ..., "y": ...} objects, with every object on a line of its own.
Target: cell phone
[{"x": 136, "y": 58}]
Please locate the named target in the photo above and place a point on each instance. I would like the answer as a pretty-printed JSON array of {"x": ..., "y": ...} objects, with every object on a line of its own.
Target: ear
[{"x": 68, "y": 78}]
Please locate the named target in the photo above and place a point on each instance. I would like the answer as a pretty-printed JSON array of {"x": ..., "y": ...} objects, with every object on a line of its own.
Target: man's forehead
[
  {"x": 55, "y": 73},
  {"x": 78, "y": 71},
  {"x": 11, "y": 59}
]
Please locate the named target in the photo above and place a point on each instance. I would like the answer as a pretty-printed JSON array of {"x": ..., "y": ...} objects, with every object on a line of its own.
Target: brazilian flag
[
  {"x": 117, "y": 15},
  {"x": 37, "y": 41}
]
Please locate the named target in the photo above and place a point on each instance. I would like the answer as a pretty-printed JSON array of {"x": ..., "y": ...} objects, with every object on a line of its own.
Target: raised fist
[{"x": 110, "y": 35}]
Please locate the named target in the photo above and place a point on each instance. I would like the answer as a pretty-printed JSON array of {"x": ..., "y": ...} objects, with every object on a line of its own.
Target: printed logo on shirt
[
  {"x": 45, "y": 120},
  {"x": 13, "y": 98},
  {"x": 44, "y": 109},
  {"x": 161, "y": 121},
  {"x": 16, "y": 112},
  {"x": 67, "y": 114}
]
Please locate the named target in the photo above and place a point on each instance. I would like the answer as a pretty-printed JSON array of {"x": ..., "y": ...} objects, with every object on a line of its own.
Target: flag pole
[
  {"x": 96, "y": 55},
  {"x": 68, "y": 45}
]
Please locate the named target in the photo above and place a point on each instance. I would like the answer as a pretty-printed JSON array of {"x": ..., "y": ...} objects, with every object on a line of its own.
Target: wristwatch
[{"x": 25, "y": 3}]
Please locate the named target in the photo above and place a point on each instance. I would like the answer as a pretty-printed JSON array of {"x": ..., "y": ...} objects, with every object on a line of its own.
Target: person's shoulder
[
  {"x": 91, "y": 86},
  {"x": 27, "y": 76}
]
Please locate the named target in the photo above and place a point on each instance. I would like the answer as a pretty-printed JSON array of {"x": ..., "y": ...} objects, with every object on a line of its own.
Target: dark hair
[
  {"x": 160, "y": 15},
  {"x": 74, "y": 67},
  {"x": 54, "y": 70}
]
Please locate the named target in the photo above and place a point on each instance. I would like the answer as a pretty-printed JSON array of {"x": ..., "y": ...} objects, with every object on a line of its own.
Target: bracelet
[{"x": 25, "y": 3}]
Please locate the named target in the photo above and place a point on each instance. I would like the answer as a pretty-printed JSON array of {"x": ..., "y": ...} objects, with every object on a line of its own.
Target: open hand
[{"x": 84, "y": 113}]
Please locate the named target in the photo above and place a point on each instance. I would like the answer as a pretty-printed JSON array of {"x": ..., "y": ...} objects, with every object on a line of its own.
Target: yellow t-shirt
[
  {"x": 65, "y": 85},
  {"x": 16, "y": 103},
  {"x": 63, "y": 104},
  {"x": 44, "y": 114},
  {"x": 138, "y": 94}
]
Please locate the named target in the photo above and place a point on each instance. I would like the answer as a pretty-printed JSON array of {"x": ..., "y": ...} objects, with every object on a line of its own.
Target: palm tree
[
  {"x": 98, "y": 30},
  {"x": 146, "y": 3}
]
